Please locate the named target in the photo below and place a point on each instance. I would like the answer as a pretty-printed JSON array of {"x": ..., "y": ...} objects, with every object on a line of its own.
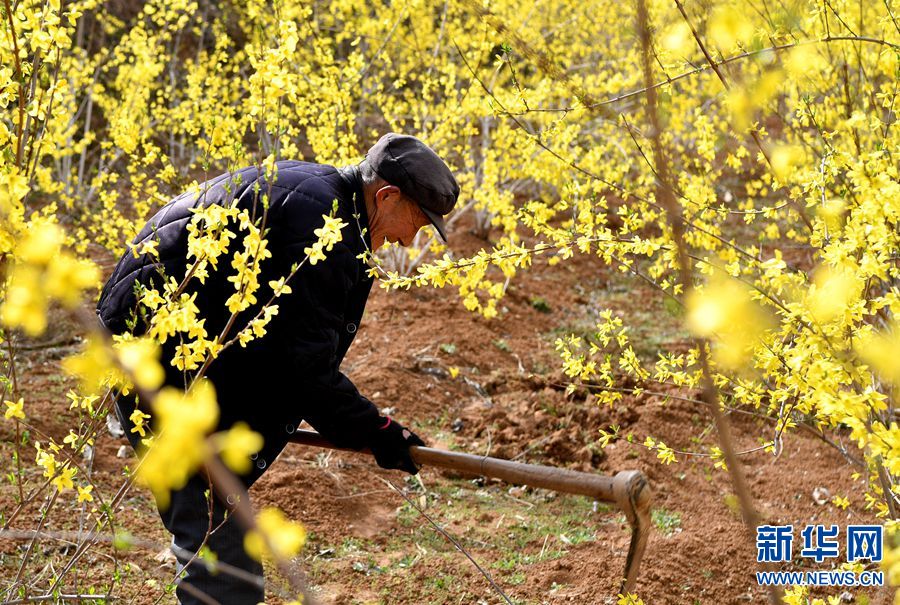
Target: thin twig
[
  {"x": 673, "y": 213},
  {"x": 453, "y": 541},
  {"x": 62, "y": 597},
  {"x": 132, "y": 541}
]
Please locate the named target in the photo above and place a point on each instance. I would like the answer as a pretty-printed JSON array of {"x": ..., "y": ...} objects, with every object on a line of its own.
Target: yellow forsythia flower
[
  {"x": 724, "y": 311},
  {"x": 284, "y": 536},
  {"x": 785, "y": 158},
  {"x": 841, "y": 502},
  {"x": 833, "y": 291},
  {"x": 137, "y": 419},
  {"x": 180, "y": 447},
  {"x": 663, "y": 451},
  {"x": 63, "y": 481},
  {"x": 329, "y": 234},
  {"x": 729, "y": 26},
  {"x": 139, "y": 358},
  {"x": 14, "y": 409},
  {"x": 84, "y": 493},
  {"x": 43, "y": 272},
  {"x": 882, "y": 351},
  {"x": 237, "y": 444},
  {"x": 279, "y": 287},
  {"x": 46, "y": 460},
  {"x": 795, "y": 596},
  {"x": 92, "y": 366}
]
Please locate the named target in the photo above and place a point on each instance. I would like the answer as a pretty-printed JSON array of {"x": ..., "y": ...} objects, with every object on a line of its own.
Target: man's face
[{"x": 397, "y": 218}]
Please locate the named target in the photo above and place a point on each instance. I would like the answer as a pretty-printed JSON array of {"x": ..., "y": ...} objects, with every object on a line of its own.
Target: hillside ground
[{"x": 369, "y": 545}]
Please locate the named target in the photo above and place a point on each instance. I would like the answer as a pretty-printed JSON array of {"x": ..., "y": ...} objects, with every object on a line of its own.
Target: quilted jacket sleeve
[{"x": 313, "y": 316}]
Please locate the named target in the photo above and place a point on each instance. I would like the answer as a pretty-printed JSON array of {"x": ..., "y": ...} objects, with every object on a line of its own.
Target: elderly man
[{"x": 292, "y": 373}]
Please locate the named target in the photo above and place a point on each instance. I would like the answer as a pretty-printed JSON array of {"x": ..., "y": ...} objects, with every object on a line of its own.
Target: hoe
[{"x": 627, "y": 489}]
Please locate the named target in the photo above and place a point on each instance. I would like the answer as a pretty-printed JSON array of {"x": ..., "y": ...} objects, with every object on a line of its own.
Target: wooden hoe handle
[{"x": 628, "y": 490}]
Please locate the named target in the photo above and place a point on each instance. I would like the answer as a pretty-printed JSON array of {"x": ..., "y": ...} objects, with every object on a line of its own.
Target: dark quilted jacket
[{"x": 292, "y": 373}]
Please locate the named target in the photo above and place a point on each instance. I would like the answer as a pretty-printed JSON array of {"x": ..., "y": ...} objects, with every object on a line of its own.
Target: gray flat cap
[{"x": 408, "y": 163}]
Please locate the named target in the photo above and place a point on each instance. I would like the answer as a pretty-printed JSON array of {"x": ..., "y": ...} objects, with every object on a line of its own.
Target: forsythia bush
[{"x": 777, "y": 126}]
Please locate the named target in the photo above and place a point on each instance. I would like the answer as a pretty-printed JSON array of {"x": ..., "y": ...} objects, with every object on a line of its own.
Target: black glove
[{"x": 390, "y": 444}]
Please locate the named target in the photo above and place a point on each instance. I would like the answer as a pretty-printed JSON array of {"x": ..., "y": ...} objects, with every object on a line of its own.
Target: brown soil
[{"x": 508, "y": 401}]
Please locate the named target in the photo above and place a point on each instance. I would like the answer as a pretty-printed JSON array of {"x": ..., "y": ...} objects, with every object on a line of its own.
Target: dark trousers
[{"x": 188, "y": 520}]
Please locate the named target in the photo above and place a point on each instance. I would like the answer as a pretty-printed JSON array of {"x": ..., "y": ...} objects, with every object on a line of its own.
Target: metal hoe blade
[{"x": 628, "y": 490}]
